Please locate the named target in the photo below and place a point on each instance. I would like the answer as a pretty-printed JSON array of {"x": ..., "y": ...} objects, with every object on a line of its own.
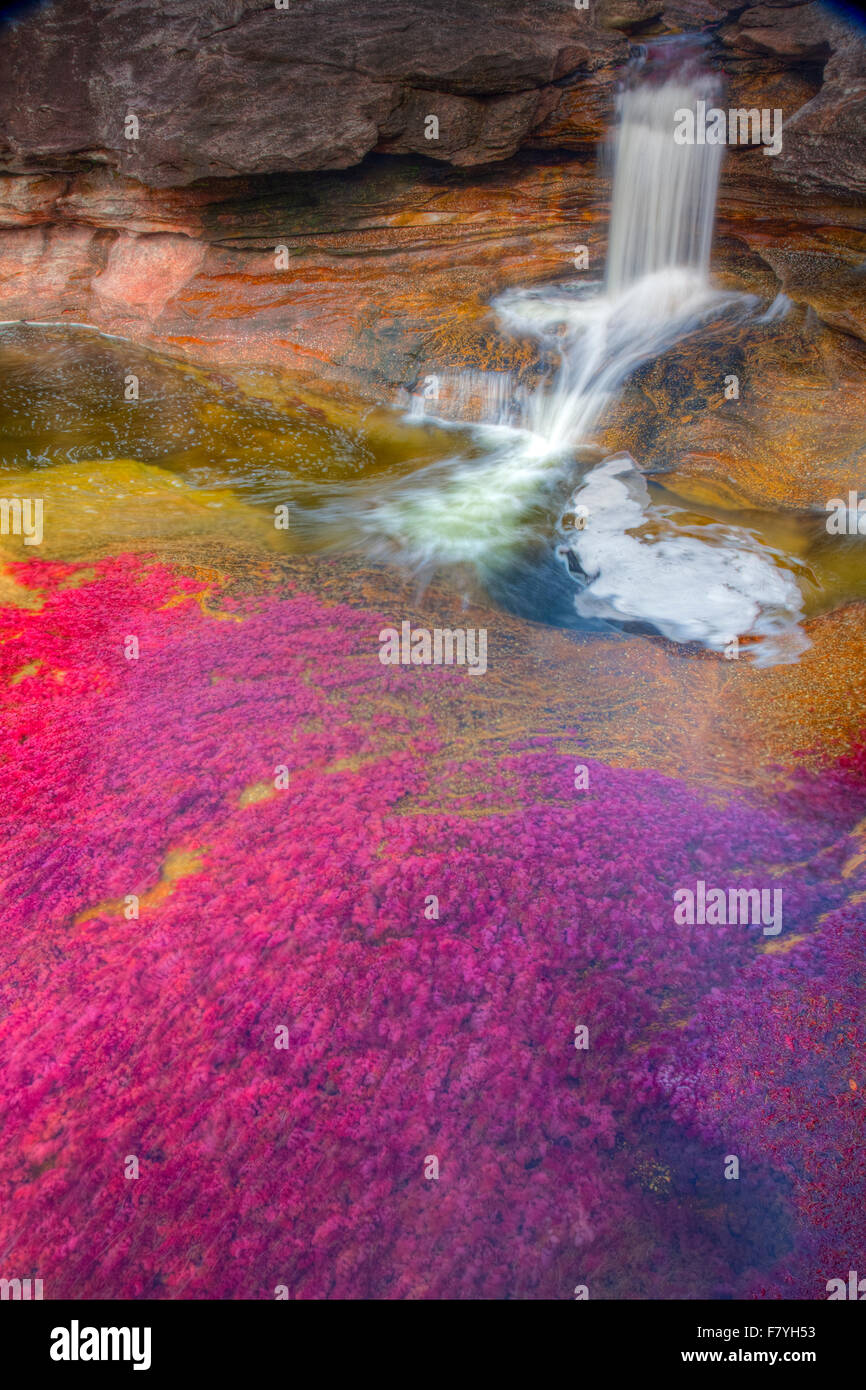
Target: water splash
[{"x": 602, "y": 339}]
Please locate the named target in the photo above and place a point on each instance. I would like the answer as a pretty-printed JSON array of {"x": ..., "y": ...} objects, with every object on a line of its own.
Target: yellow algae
[
  {"x": 201, "y": 598},
  {"x": 85, "y": 575},
  {"x": 714, "y": 492},
  {"x": 778, "y": 948},
  {"x": 178, "y": 864},
  {"x": 29, "y": 670},
  {"x": 856, "y": 860},
  {"x": 223, "y": 614},
  {"x": 15, "y": 595},
  {"x": 256, "y": 791},
  {"x": 854, "y": 863},
  {"x": 652, "y": 1175},
  {"x": 121, "y": 504},
  {"x": 264, "y": 791},
  {"x": 353, "y": 763}
]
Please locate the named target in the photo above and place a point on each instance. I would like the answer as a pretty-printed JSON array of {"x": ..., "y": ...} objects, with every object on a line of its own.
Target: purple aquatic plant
[{"x": 282, "y": 1038}]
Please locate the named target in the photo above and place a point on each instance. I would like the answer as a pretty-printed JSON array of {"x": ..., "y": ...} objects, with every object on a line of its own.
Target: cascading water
[
  {"x": 657, "y": 286},
  {"x": 710, "y": 583},
  {"x": 467, "y": 395},
  {"x": 664, "y": 194}
]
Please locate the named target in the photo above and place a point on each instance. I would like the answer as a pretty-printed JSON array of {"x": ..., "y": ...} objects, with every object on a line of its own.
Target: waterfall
[
  {"x": 692, "y": 582},
  {"x": 656, "y": 287},
  {"x": 664, "y": 194},
  {"x": 468, "y": 395}
]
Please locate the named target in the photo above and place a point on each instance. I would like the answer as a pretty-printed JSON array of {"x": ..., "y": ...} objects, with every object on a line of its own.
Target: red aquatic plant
[{"x": 290, "y": 1032}]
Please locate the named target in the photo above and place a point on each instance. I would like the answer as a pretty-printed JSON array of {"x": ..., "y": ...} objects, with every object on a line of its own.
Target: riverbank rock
[{"x": 282, "y": 204}]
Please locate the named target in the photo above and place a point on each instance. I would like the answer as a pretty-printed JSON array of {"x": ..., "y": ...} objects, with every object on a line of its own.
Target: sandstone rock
[
  {"x": 793, "y": 437},
  {"x": 824, "y": 152},
  {"x": 306, "y": 128},
  {"x": 469, "y": 130},
  {"x": 800, "y": 31},
  {"x": 630, "y": 15},
  {"x": 222, "y": 89},
  {"x": 143, "y": 273},
  {"x": 832, "y": 284},
  {"x": 234, "y": 87},
  {"x": 29, "y": 199}
]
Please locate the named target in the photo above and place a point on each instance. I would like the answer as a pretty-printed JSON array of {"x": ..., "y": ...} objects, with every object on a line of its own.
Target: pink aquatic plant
[
  {"x": 773, "y": 1070},
  {"x": 284, "y": 1037}
]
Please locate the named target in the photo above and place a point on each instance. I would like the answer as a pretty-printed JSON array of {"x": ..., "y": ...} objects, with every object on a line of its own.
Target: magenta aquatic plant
[
  {"x": 287, "y": 1034},
  {"x": 773, "y": 1070}
]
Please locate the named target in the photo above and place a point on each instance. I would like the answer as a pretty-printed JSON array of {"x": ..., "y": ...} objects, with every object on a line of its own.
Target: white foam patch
[{"x": 708, "y": 585}]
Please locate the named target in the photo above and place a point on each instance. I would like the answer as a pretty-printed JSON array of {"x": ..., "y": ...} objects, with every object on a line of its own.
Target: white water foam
[{"x": 707, "y": 587}]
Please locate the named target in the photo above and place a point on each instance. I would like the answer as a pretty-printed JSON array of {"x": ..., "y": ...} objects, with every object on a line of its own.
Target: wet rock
[
  {"x": 793, "y": 436},
  {"x": 632, "y": 15},
  {"x": 823, "y": 154},
  {"x": 240, "y": 88}
]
